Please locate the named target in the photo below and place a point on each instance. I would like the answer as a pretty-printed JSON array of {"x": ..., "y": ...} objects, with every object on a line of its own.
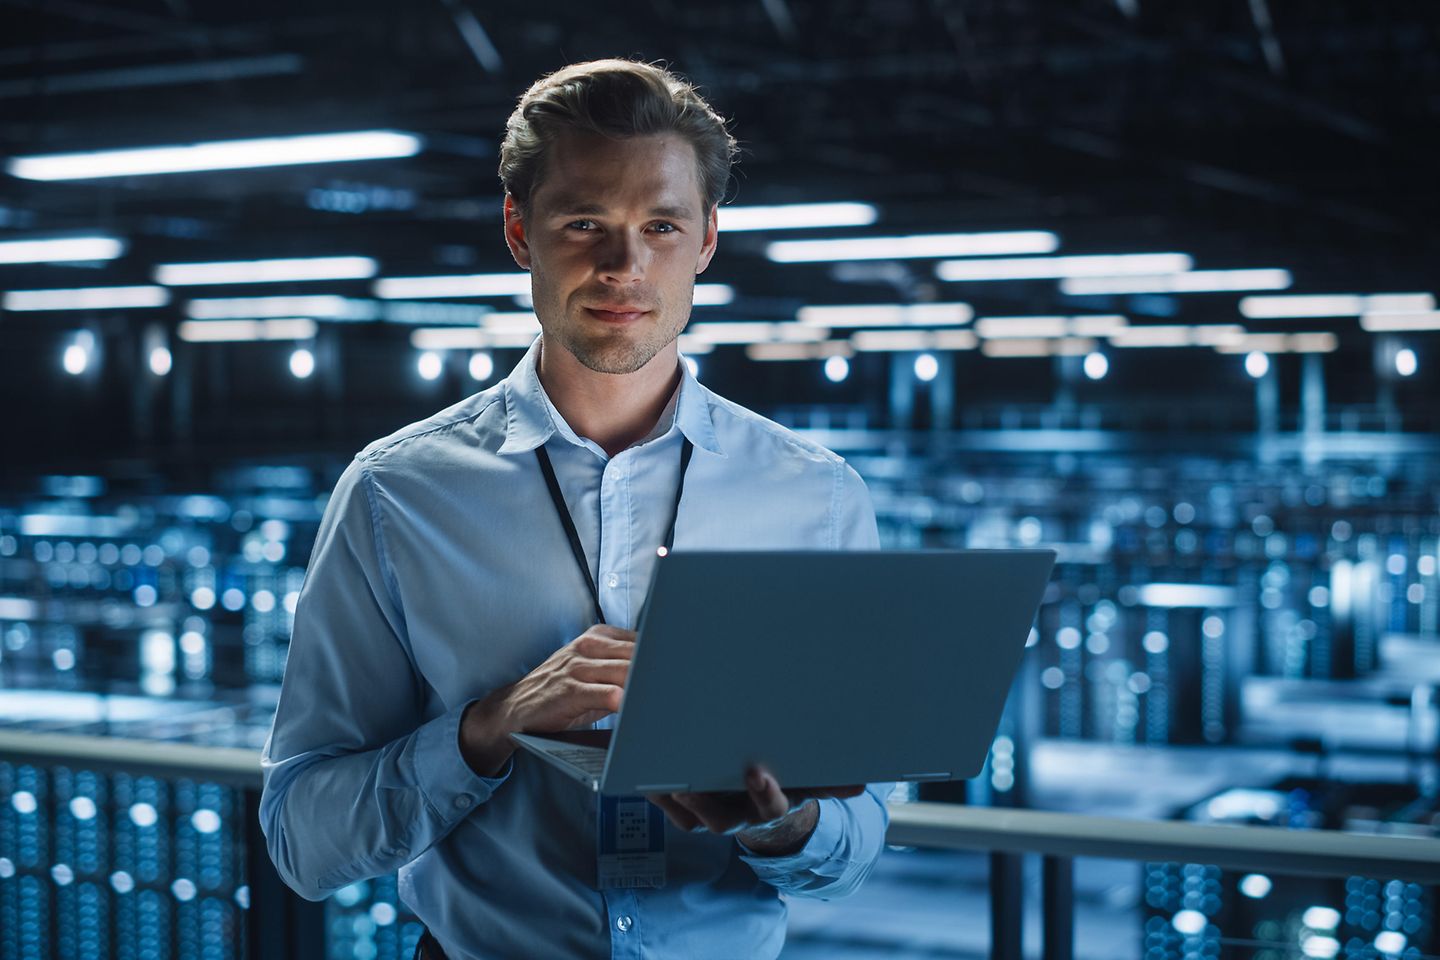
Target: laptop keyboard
[{"x": 589, "y": 759}]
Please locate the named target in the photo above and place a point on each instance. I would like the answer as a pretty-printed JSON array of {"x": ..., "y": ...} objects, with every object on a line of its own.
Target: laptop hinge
[
  {"x": 661, "y": 787},
  {"x": 943, "y": 775}
]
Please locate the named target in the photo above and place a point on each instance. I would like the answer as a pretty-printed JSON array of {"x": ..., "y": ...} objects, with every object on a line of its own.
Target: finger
[
  {"x": 613, "y": 672},
  {"x": 768, "y": 799},
  {"x": 597, "y": 696},
  {"x": 596, "y": 647},
  {"x": 613, "y": 632},
  {"x": 682, "y": 818}
]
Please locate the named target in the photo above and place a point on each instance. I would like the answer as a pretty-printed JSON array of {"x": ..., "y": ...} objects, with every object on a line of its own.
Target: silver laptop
[{"x": 829, "y": 668}]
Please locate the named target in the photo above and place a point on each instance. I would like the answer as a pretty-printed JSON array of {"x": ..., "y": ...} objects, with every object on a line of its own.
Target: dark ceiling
[{"x": 1249, "y": 133}]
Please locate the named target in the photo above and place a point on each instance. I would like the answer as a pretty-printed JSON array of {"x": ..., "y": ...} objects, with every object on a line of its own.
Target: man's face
[{"x": 613, "y": 238}]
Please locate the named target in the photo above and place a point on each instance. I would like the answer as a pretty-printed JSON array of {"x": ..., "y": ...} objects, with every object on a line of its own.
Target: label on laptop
[{"x": 630, "y": 837}]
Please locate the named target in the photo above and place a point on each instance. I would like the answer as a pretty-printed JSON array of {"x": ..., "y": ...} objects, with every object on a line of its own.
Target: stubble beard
[{"x": 617, "y": 353}]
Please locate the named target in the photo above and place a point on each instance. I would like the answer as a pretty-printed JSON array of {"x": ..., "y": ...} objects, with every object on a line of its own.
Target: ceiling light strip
[
  {"x": 218, "y": 155},
  {"x": 794, "y": 216},
  {"x": 86, "y": 298},
  {"x": 266, "y": 271},
  {"x": 887, "y": 315},
  {"x": 1054, "y": 268},
  {"x": 1305, "y": 306},
  {"x": 913, "y": 247},
  {"x": 61, "y": 249},
  {"x": 1196, "y": 281}
]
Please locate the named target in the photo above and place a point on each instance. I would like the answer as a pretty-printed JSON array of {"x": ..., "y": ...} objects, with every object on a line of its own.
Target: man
[{"x": 446, "y": 605}]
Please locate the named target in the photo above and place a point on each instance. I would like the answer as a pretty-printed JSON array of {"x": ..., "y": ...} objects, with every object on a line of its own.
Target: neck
[{"x": 613, "y": 409}]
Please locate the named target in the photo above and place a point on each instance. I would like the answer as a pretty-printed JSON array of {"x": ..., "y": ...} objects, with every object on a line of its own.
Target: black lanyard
[{"x": 558, "y": 498}]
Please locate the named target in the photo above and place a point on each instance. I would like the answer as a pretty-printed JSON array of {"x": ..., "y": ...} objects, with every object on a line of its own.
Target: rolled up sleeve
[{"x": 840, "y": 853}]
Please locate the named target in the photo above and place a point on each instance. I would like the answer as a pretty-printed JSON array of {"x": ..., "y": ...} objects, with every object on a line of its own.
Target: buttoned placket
[
  {"x": 622, "y": 908},
  {"x": 617, "y": 537}
]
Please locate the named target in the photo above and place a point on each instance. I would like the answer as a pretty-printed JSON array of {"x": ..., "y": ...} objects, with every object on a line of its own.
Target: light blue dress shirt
[{"x": 441, "y": 572}]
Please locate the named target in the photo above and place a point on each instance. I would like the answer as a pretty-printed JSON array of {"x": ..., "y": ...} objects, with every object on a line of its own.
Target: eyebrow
[{"x": 573, "y": 207}]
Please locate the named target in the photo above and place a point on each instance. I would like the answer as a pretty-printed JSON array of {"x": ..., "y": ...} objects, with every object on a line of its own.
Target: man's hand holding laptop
[{"x": 584, "y": 681}]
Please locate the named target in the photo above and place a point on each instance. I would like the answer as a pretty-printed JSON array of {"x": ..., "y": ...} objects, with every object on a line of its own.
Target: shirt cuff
[
  {"x": 824, "y": 843},
  {"x": 450, "y": 787}
]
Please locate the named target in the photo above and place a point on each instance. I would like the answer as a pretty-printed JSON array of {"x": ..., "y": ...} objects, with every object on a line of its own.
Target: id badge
[{"x": 630, "y": 837}]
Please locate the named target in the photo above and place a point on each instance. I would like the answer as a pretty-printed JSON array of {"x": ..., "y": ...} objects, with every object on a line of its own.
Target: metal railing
[
  {"x": 1060, "y": 837},
  {"x": 281, "y": 924}
]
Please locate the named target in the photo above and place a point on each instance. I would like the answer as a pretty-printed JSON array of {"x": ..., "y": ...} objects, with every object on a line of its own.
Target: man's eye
[
  {"x": 665, "y": 226},
  {"x": 584, "y": 225}
]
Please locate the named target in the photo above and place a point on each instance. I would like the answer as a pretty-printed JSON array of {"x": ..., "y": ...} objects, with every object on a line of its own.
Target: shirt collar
[{"x": 531, "y": 419}]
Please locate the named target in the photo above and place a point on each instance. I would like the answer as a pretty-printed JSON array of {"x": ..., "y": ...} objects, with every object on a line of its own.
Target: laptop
[{"x": 830, "y": 668}]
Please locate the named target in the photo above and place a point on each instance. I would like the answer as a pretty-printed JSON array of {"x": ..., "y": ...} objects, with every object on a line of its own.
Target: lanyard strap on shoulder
[{"x": 557, "y": 497}]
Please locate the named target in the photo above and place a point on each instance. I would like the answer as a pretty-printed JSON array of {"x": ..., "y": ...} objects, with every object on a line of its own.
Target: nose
[{"x": 622, "y": 257}]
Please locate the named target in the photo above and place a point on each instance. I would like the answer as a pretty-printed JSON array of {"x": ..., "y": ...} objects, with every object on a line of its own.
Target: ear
[
  {"x": 515, "y": 237},
  {"x": 712, "y": 237}
]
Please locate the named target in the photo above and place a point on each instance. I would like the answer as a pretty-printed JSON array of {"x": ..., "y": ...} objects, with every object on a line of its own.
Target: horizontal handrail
[
  {"x": 239, "y": 766},
  {"x": 936, "y": 825},
  {"x": 1329, "y": 853}
]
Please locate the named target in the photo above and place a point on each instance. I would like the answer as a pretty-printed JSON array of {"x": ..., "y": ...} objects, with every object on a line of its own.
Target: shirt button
[
  {"x": 612, "y": 581},
  {"x": 463, "y": 802},
  {"x": 623, "y": 924}
]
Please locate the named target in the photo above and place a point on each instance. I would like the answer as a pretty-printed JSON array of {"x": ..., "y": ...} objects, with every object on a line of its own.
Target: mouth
[{"x": 624, "y": 313}]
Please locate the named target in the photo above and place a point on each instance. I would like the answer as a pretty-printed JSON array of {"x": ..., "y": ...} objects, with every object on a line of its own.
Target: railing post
[
  {"x": 1057, "y": 900},
  {"x": 1007, "y": 906},
  {"x": 279, "y": 924}
]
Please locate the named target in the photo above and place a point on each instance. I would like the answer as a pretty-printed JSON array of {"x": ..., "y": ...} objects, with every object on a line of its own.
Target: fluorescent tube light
[
  {"x": 467, "y": 338},
  {"x": 750, "y": 332},
  {"x": 910, "y": 247},
  {"x": 1074, "y": 346},
  {"x": 87, "y": 298},
  {"x": 266, "y": 271},
  {"x": 218, "y": 155},
  {"x": 1196, "y": 281},
  {"x": 1098, "y": 325},
  {"x": 449, "y": 338},
  {"x": 1158, "y": 336},
  {"x": 1021, "y": 327},
  {"x": 1333, "y": 305},
  {"x": 468, "y": 285},
  {"x": 1313, "y": 343},
  {"x": 792, "y": 216},
  {"x": 799, "y": 351},
  {"x": 712, "y": 294},
  {"x": 397, "y": 311},
  {"x": 234, "y": 331},
  {"x": 327, "y": 307},
  {"x": 1216, "y": 334},
  {"x": 690, "y": 346},
  {"x": 512, "y": 322},
  {"x": 1054, "y": 268},
  {"x": 60, "y": 250},
  {"x": 1038, "y": 347},
  {"x": 1255, "y": 343},
  {"x": 871, "y": 341},
  {"x": 1399, "y": 322},
  {"x": 888, "y": 315},
  {"x": 1204, "y": 335}
]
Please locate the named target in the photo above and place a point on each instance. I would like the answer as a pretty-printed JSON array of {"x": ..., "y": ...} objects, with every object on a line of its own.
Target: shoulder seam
[
  {"x": 365, "y": 455},
  {"x": 773, "y": 429}
]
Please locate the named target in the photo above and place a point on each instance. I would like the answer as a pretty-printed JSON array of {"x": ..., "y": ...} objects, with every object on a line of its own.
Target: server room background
[{"x": 1152, "y": 284}]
